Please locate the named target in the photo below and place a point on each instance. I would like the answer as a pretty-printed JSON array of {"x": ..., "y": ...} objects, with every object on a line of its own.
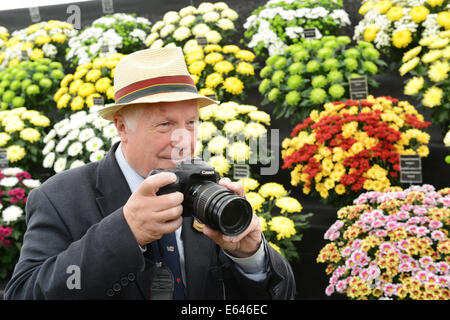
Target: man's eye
[{"x": 164, "y": 124}]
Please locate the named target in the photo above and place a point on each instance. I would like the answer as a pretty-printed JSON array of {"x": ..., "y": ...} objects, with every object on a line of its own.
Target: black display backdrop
[{"x": 310, "y": 276}]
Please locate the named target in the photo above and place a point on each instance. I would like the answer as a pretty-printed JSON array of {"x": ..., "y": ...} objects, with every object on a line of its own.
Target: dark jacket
[{"x": 76, "y": 219}]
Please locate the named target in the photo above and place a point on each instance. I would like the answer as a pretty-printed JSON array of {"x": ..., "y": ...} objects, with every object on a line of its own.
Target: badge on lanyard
[{"x": 162, "y": 283}]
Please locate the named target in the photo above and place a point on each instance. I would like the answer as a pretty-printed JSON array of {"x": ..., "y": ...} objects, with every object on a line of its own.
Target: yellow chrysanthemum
[
  {"x": 197, "y": 67},
  {"x": 230, "y": 48},
  {"x": 233, "y": 85},
  {"x": 432, "y": 97},
  {"x": 63, "y": 101},
  {"x": 86, "y": 89},
  {"x": 42, "y": 39},
  {"x": 272, "y": 190},
  {"x": 223, "y": 67},
  {"x": 284, "y": 227},
  {"x": 249, "y": 184},
  {"x": 4, "y": 138},
  {"x": 15, "y": 153},
  {"x": 213, "y": 80},
  {"x": 259, "y": 116},
  {"x": 401, "y": 38},
  {"x": 414, "y": 85},
  {"x": 370, "y": 32},
  {"x": 30, "y": 135},
  {"x": 220, "y": 164},
  {"x": 12, "y": 123},
  {"x": 213, "y": 58},
  {"x": 239, "y": 151},
  {"x": 212, "y": 48},
  {"x": 395, "y": 13},
  {"x": 366, "y": 7},
  {"x": 408, "y": 66},
  {"x": 103, "y": 84},
  {"x": 59, "y": 37},
  {"x": 217, "y": 144},
  {"x": 438, "y": 71},
  {"x": 288, "y": 204},
  {"x": 443, "y": 18},
  {"x": 411, "y": 54},
  {"x": 431, "y": 56},
  {"x": 77, "y": 103},
  {"x": 245, "y": 55},
  {"x": 245, "y": 68},
  {"x": 40, "y": 121},
  {"x": 419, "y": 14},
  {"x": 36, "y": 54},
  {"x": 93, "y": 75},
  {"x": 255, "y": 200},
  {"x": 65, "y": 81}
]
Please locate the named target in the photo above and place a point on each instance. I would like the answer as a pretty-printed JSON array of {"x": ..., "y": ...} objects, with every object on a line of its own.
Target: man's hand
[
  {"x": 245, "y": 244},
  {"x": 150, "y": 216}
]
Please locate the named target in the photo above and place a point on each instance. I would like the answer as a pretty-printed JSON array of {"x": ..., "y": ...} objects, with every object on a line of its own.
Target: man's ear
[{"x": 121, "y": 127}]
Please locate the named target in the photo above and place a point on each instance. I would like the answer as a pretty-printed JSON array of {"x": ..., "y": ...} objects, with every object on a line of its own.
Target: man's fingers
[
  {"x": 168, "y": 214},
  {"x": 167, "y": 201},
  {"x": 153, "y": 183},
  {"x": 170, "y": 226}
]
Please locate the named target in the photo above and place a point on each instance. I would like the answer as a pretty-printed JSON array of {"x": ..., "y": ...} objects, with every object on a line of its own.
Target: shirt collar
[{"x": 132, "y": 177}]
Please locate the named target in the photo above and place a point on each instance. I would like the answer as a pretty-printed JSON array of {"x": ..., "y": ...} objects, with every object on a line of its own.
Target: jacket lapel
[
  {"x": 113, "y": 194},
  {"x": 111, "y": 183},
  {"x": 198, "y": 256}
]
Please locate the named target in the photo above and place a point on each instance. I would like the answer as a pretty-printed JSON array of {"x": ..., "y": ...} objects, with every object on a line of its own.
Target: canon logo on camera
[{"x": 207, "y": 172}]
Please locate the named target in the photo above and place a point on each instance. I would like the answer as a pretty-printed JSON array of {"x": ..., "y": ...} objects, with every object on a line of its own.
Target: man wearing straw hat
[{"x": 92, "y": 231}]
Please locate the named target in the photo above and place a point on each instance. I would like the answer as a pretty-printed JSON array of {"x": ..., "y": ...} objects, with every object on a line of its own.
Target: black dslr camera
[{"x": 209, "y": 202}]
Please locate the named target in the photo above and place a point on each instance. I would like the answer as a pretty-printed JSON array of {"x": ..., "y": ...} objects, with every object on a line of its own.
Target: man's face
[{"x": 165, "y": 133}]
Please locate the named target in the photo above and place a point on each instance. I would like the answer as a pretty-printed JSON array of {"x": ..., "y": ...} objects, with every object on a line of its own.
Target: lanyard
[{"x": 162, "y": 284}]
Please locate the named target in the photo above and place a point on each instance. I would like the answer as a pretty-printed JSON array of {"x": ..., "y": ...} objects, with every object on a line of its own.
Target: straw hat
[{"x": 152, "y": 75}]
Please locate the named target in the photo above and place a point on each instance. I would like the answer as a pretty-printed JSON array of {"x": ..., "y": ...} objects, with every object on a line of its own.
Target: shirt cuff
[{"x": 253, "y": 267}]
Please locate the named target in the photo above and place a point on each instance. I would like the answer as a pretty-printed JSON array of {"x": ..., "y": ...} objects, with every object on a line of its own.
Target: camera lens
[{"x": 220, "y": 208}]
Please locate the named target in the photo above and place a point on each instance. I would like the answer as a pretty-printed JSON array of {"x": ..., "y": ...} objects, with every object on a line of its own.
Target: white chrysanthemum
[
  {"x": 60, "y": 165},
  {"x": 75, "y": 149},
  {"x": 73, "y": 134},
  {"x": 181, "y": 33},
  {"x": 48, "y": 147},
  {"x": 213, "y": 37},
  {"x": 110, "y": 131},
  {"x": 211, "y": 16},
  {"x": 94, "y": 144},
  {"x": 49, "y": 136},
  {"x": 151, "y": 38},
  {"x": 168, "y": 29},
  {"x": 138, "y": 34},
  {"x": 31, "y": 183},
  {"x": 230, "y": 14},
  {"x": 189, "y": 10},
  {"x": 220, "y": 6},
  {"x": 9, "y": 182},
  {"x": 225, "y": 24},
  {"x": 205, "y": 7},
  {"x": 11, "y": 171},
  {"x": 254, "y": 130},
  {"x": 76, "y": 164},
  {"x": 62, "y": 144},
  {"x": 158, "y": 26},
  {"x": 86, "y": 134},
  {"x": 171, "y": 17},
  {"x": 157, "y": 44},
  {"x": 48, "y": 160},
  {"x": 187, "y": 21},
  {"x": 99, "y": 122},
  {"x": 12, "y": 213},
  {"x": 97, "y": 155},
  {"x": 200, "y": 30}
]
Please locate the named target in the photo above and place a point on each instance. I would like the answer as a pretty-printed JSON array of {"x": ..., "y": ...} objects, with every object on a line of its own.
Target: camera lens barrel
[{"x": 220, "y": 208}]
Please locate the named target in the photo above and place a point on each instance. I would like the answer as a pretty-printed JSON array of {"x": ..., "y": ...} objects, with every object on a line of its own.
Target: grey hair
[{"x": 131, "y": 115}]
